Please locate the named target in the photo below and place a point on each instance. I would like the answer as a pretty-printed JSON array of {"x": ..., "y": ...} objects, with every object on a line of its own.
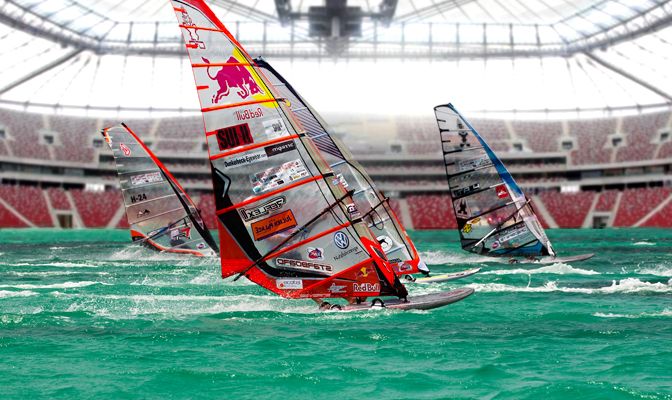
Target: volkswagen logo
[{"x": 341, "y": 240}]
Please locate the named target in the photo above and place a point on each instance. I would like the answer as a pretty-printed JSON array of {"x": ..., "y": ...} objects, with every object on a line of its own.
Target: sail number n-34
[{"x": 234, "y": 136}]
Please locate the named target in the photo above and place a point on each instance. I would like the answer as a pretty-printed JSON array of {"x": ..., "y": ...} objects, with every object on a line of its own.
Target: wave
[
  {"x": 9, "y": 293},
  {"x": 660, "y": 270},
  {"x": 179, "y": 306},
  {"x": 665, "y": 313},
  {"x": 441, "y": 257},
  {"x": 54, "y": 273},
  {"x": 628, "y": 285},
  {"x": 64, "y": 285},
  {"x": 644, "y": 243},
  {"x": 58, "y": 264},
  {"x": 558, "y": 269}
]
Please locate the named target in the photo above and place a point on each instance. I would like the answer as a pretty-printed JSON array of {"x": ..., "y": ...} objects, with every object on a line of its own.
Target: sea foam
[
  {"x": 628, "y": 285},
  {"x": 558, "y": 269}
]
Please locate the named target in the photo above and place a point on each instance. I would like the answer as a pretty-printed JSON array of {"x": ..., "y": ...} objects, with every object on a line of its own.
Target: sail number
[
  {"x": 234, "y": 136},
  {"x": 138, "y": 197}
]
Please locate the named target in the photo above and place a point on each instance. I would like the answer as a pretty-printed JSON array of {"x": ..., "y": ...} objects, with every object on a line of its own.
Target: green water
[{"x": 86, "y": 315}]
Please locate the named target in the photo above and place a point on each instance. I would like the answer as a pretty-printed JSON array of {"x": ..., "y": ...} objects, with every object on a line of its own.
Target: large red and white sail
[{"x": 283, "y": 220}]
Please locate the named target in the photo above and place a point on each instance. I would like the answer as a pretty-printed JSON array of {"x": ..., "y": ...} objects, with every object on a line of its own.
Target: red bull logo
[{"x": 235, "y": 78}]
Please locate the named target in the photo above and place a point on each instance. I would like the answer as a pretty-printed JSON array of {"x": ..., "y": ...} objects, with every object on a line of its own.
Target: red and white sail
[
  {"x": 159, "y": 211},
  {"x": 284, "y": 219}
]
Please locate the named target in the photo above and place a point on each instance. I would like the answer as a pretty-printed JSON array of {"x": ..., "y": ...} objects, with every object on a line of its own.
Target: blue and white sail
[{"x": 494, "y": 217}]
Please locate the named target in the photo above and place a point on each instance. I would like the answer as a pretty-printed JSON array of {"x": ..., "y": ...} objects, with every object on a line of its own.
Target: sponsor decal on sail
[
  {"x": 151, "y": 177},
  {"x": 273, "y": 225},
  {"x": 468, "y": 226},
  {"x": 341, "y": 179},
  {"x": 512, "y": 233},
  {"x": 250, "y": 113},
  {"x": 289, "y": 284},
  {"x": 467, "y": 165},
  {"x": 315, "y": 253},
  {"x": 269, "y": 207},
  {"x": 301, "y": 264},
  {"x": 125, "y": 149},
  {"x": 142, "y": 213},
  {"x": 245, "y": 159},
  {"x": 341, "y": 240},
  {"x": 502, "y": 193},
  {"x": 366, "y": 287},
  {"x": 462, "y": 210},
  {"x": 179, "y": 233},
  {"x": 352, "y": 210},
  {"x": 334, "y": 288},
  {"x": 385, "y": 242},
  {"x": 347, "y": 252},
  {"x": 279, "y": 176},
  {"x": 274, "y": 128},
  {"x": 236, "y": 79},
  {"x": 279, "y": 148}
]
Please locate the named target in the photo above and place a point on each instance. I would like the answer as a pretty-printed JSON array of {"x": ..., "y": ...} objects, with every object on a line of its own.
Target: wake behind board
[
  {"x": 447, "y": 277},
  {"x": 553, "y": 260},
  {"x": 422, "y": 302}
]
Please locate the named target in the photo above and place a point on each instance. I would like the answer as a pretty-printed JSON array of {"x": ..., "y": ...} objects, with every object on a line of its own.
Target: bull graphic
[
  {"x": 194, "y": 39},
  {"x": 230, "y": 77}
]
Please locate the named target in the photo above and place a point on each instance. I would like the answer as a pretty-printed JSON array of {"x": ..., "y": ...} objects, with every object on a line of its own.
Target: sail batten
[{"x": 493, "y": 215}]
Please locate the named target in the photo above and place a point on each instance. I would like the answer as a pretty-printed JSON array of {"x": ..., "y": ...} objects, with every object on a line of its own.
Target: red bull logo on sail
[{"x": 236, "y": 78}]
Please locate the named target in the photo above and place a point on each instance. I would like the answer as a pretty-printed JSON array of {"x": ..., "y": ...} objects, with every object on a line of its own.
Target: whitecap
[
  {"x": 628, "y": 285},
  {"x": 442, "y": 257},
  {"x": 665, "y": 313},
  {"x": 659, "y": 270},
  {"x": 9, "y": 293},
  {"x": 644, "y": 244},
  {"x": 557, "y": 269},
  {"x": 64, "y": 285}
]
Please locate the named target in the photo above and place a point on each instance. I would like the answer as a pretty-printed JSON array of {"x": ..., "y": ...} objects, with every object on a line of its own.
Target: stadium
[
  {"x": 587, "y": 133},
  {"x": 572, "y": 97}
]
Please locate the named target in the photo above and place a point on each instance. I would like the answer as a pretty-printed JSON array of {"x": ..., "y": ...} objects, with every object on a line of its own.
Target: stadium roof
[{"x": 494, "y": 54}]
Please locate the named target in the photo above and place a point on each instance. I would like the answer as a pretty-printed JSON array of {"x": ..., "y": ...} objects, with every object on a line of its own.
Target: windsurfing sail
[
  {"x": 160, "y": 213},
  {"x": 368, "y": 201},
  {"x": 284, "y": 218},
  {"x": 493, "y": 215}
]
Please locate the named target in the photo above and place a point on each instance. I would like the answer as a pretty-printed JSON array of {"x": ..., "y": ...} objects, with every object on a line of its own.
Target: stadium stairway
[{"x": 653, "y": 213}]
